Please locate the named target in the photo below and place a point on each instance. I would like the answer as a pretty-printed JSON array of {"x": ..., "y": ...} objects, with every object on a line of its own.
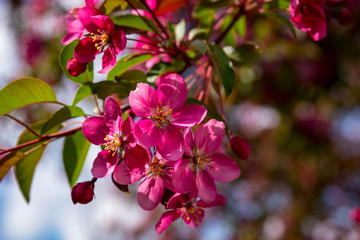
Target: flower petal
[
  {"x": 188, "y": 115},
  {"x": 183, "y": 177},
  {"x": 172, "y": 91},
  {"x": 112, "y": 115},
  {"x": 171, "y": 146},
  {"x": 178, "y": 201},
  {"x": 166, "y": 219},
  {"x": 95, "y": 130},
  {"x": 102, "y": 22},
  {"x": 142, "y": 100},
  {"x": 85, "y": 51},
  {"x": 119, "y": 40},
  {"x": 208, "y": 136},
  {"x": 124, "y": 176},
  {"x": 219, "y": 201},
  {"x": 128, "y": 131},
  {"x": 189, "y": 142},
  {"x": 147, "y": 133},
  {"x": 104, "y": 164},
  {"x": 108, "y": 60},
  {"x": 150, "y": 192},
  {"x": 205, "y": 186},
  {"x": 222, "y": 168},
  {"x": 137, "y": 158},
  {"x": 84, "y": 15}
]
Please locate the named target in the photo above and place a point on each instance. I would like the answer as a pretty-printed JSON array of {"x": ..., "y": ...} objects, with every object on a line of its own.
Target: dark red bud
[
  {"x": 240, "y": 147},
  {"x": 75, "y": 68},
  {"x": 83, "y": 192},
  {"x": 355, "y": 214}
]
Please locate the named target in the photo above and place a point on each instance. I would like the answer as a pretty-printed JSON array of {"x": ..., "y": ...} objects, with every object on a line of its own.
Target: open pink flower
[
  {"x": 138, "y": 163},
  {"x": 204, "y": 165},
  {"x": 103, "y": 38},
  {"x": 188, "y": 208},
  {"x": 74, "y": 25},
  {"x": 164, "y": 114},
  {"x": 111, "y": 132},
  {"x": 308, "y": 16}
]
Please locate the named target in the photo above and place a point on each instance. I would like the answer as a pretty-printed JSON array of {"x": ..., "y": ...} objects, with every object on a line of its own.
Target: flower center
[
  {"x": 113, "y": 143},
  {"x": 74, "y": 12},
  {"x": 161, "y": 116},
  {"x": 192, "y": 211},
  {"x": 156, "y": 168},
  {"x": 101, "y": 39},
  {"x": 202, "y": 161}
]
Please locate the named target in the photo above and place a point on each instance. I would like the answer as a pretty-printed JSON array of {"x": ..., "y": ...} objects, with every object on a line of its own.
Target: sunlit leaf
[
  {"x": 61, "y": 116},
  {"x": 125, "y": 63},
  {"x": 243, "y": 54},
  {"x": 110, "y": 6},
  {"x": 83, "y": 91},
  {"x": 223, "y": 67},
  {"x": 135, "y": 21},
  {"x": 180, "y": 29},
  {"x": 24, "y": 169},
  {"x": 74, "y": 153},
  {"x": 8, "y": 161},
  {"x": 24, "y": 92},
  {"x": 68, "y": 52}
]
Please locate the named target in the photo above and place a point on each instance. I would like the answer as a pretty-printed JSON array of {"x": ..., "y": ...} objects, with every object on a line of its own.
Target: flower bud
[
  {"x": 355, "y": 214},
  {"x": 83, "y": 192},
  {"x": 75, "y": 68},
  {"x": 240, "y": 147}
]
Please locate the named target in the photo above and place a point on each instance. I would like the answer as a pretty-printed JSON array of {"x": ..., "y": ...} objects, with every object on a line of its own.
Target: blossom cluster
[
  {"x": 162, "y": 150},
  {"x": 102, "y": 37}
]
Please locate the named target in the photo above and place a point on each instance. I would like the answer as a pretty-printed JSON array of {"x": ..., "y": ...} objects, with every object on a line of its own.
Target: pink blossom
[
  {"x": 188, "y": 208},
  {"x": 74, "y": 25},
  {"x": 103, "y": 38},
  {"x": 75, "y": 68},
  {"x": 308, "y": 16},
  {"x": 240, "y": 147},
  {"x": 203, "y": 164},
  {"x": 355, "y": 214},
  {"x": 164, "y": 113},
  {"x": 138, "y": 163},
  {"x": 113, "y": 133},
  {"x": 83, "y": 192}
]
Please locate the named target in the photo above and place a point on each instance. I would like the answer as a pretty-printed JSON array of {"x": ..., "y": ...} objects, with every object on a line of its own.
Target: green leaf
[
  {"x": 281, "y": 19},
  {"x": 131, "y": 76},
  {"x": 68, "y": 52},
  {"x": 244, "y": 54},
  {"x": 61, "y": 116},
  {"x": 180, "y": 29},
  {"x": 135, "y": 21},
  {"x": 198, "y": 33},
  {"x": 83, "y": 91},
  {"x": 162, "y": 67},
  {"x": 240, "y": 26},
  {"x": 277, "y": 4},
  {"x": 74, "y": 154},
  {"x": 199, "y": 46},
  {"x": 125, "y": 63},
  {"x": 24, "y": 169},
  {"x": 223, "y": 67},
  {"x": 110, "y": 6},
  {"x": 104, "y": 89},
  {"x": 8, "y": 161},
  {"x": 24, "y": 92}
]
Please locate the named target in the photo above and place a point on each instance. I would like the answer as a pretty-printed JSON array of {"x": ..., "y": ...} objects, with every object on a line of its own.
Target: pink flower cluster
[
  {"x": 163, "y": 151},
  {"x": 101, "y": 37}
]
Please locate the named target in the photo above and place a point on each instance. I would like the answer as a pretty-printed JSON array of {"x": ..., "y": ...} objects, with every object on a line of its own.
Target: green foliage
[
  {"x": 243, "y": 54},
  {"x": 83, "y": 91},
  {"x": 110, "y": 6},
  {"x": 74, "y": 153},
  {"x": 277, "y": 4},
  {"x": 279, "y": 17},
  {"x": 24, "y": 92},
  {"x": 24, "y": 169},
  {"x": 68, "y": 52},
  {"x": 223, "y": 66},
  {"x": 135, "y": 21},
  {"x": 61, "y": 116},
  {"x": 8, "y": 161},
  {"x": 125, "y": 63}
]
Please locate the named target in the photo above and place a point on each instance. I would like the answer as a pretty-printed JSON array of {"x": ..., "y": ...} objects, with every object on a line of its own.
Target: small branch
[
  {"x": 240, "y": 12},
  {"x": 144, "y": 19},
  {"x": 155, "y": 18},
  {"x": 43, "y": 138},
  {"x": 23, "y": 124}
]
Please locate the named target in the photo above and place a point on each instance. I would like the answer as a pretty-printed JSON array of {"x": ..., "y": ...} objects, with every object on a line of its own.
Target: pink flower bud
[
  {"x": 83, "y": 192},
  {"x": 355, "y": 214},
  {"x": 240, "y": 147},
  {"x": 75, "y": 68}
]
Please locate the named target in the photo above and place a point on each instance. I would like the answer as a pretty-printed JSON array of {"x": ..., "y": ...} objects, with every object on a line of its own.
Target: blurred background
[{"x": 298, "y": 106}]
